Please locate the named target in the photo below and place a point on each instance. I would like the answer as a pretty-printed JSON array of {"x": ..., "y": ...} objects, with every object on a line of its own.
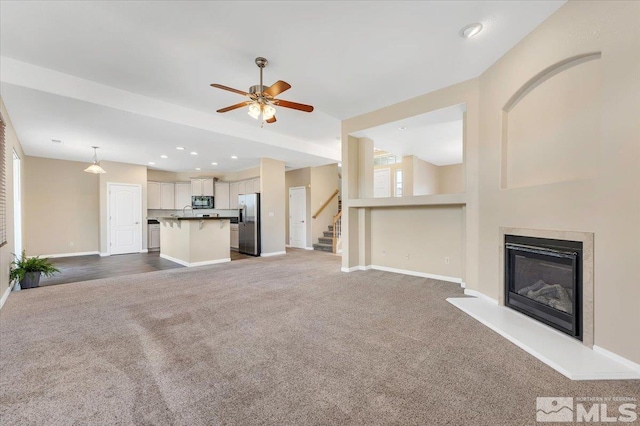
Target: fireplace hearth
[{"x": 543, "y": 279}]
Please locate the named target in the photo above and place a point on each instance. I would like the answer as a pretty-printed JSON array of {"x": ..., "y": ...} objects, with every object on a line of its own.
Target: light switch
[{"x": 271, "y": 214}]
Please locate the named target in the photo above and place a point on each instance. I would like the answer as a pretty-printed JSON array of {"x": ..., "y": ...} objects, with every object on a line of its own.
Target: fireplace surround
[
  {"x": 586, "y": 270},
  {"x": 543, "y": 279}
]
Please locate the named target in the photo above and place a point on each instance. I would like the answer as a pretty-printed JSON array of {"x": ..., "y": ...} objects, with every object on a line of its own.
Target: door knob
[{"x": 137, "y": 223}]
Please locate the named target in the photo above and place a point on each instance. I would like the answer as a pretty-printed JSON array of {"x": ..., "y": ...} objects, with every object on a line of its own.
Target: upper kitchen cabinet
[
  {"x": 154, "y": 200},
  {"x": 222, "y": 191},
  {"x": 202, "y": 187},
  {"x": 183, "y": 194},
  {"x": 167, "y": 196},
  {"x": 234, "y": 188},
  {"x": 256, "y": 185}
]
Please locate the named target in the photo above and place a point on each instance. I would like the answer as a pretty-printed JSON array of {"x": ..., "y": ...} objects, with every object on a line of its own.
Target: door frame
[
  {"x": 304, "y": 208},
  {"x": 17, "y": 204},
  {"x": 109, "y": 185}
]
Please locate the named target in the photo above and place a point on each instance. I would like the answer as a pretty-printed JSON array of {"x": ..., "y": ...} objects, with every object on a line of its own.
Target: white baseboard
[
  {"x": 417, "y": 274},
  {"x": 624, "y": 361},
  {"x": 5, "y": 296},
  {"x": 79, "y": 253},
  {"x": 144, "y": 251},
  {"x": 193, "y": 264},
  {"x": 355, "y": 268},
  {"x": 479, "y": 295},
  {"x": 308, "y": 248},
  {"x": 274, "y": 253},
  {"x": 463, "y": 284},
  {"x": 105, "y": 254}
]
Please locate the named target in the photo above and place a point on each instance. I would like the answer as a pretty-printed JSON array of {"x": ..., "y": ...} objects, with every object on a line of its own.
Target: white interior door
[
  {"x": 382, "y": 183},
  {"x": 297, "y": 217},
  {"x": 125, "y": 218}
]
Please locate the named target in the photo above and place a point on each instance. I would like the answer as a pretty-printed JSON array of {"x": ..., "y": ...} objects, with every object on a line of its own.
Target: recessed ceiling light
[
  {"x": 152, "y": 163},
  {"x": 56, "y": 141},
  {"x": 164, "y": 156},
  {"x": 194, "y": 153},
  {"x": 470, "y": 30},
  {"x": 402, "y": 128},
  {"x": 234, "y": 157},
  {"x": 181, "y": 148},
  {"x": 214, "y": 164},
  {"x": 198, "y": 168}
]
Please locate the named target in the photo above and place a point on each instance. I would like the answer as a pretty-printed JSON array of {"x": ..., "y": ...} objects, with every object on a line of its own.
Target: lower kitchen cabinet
[
  {"x": 153, "y": 238},
  {"x": 235, "y": 236}
]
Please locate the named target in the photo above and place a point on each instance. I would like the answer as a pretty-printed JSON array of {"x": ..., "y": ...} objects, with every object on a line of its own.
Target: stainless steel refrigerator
[{"x": 249, "y": 224}]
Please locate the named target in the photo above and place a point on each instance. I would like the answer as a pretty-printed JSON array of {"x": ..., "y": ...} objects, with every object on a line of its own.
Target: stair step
[
  {"x": 323, "y": 247},
  {"x": 328, "y": 234},
  {"x": 330, "y": 227},
  {"x": 325, "y": 240}
]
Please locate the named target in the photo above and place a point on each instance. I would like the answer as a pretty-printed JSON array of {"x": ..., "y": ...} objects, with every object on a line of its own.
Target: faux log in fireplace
[{"x": 543, "y": 279}]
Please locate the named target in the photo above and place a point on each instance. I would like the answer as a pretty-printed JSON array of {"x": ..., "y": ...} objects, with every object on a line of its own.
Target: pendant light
[{"x": 95, "y": 167}]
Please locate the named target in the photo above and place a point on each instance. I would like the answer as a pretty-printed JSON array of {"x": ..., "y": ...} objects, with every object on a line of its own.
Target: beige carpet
[{"x": 286, "y": 340}]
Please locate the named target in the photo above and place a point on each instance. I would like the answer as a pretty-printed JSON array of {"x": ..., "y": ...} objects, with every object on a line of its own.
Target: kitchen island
[{"x": 195, "y": 241}]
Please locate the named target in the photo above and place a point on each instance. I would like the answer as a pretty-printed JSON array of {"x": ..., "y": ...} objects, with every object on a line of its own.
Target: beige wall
[
  {"x": 426, "y": 177},
  {"x": 272, "y": 205},
  {"x": 601, "y": 198},
  {"x": 61, "y": 207},
  {"x": 421, "y": 238},
  {"x": 12, "y": 143},
  {"x": 585, "y": 182},
  {"x": 451, "y": 179},
  {"x": 293, "y": 179},
  {"x": 120, "y": 173},
  {"x": 324, "y": 182}
]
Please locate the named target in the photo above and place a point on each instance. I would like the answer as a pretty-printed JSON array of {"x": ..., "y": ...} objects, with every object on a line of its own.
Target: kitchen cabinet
[
  {"x": 183, "y": 195},
  {"x": 235, "y": 236},
  {"x": 256, "y": 185},
  {"x": 202, "y": 187},
  {"x": 153, "y": 237},
  {"x": 234, "y": 187},
  {"x": 222, "y": 191},
  {"x": 154, "y": 200},
  {"x": 167, "y": 196}
]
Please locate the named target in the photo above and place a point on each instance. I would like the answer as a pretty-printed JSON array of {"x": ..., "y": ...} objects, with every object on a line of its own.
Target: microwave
[{"x": 202, "y": 202}]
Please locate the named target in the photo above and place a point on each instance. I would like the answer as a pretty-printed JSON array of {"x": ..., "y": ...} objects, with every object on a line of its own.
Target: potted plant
[{"x": 27, "y": 270}]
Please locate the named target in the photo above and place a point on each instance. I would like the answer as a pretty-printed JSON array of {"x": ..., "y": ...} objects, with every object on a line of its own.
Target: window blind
[{"x": 3, "y": 187}]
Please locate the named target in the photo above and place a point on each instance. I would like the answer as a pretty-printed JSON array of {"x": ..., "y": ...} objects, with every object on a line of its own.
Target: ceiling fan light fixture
[
  {"x": 95, "y": 167},
  {"x": 254, "y": 110},
  {"x": 471, "y": 30},
  {"x": 268, "y": 112}
]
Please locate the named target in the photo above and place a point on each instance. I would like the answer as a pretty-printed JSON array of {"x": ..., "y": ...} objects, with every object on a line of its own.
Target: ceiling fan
[{"x": 262, "y": 99}]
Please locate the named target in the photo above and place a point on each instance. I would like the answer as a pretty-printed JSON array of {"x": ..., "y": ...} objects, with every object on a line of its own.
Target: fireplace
[{"x": 543, "y": 279}]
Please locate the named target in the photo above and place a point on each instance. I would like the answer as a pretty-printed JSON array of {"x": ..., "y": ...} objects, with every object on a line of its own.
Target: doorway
[
  {"x": 297, "y": 217},
  {"x": 124, "y": 208},
  {"x": 382, "y": 183},
  {"x": 17, "y": 204}
]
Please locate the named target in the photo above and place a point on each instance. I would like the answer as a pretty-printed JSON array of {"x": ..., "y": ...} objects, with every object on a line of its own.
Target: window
[
  {"x": 3, "y": 188},
  {"x": 399, "y": 183},
  {"x": 386, "y": 159}
]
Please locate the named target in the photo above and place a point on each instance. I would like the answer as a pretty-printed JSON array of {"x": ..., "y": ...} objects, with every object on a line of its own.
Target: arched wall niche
[{"x": 551, "y": 125}]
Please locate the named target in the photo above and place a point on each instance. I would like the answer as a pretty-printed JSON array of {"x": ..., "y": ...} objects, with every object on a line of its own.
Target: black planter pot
[{"x": 30, "y": 280}]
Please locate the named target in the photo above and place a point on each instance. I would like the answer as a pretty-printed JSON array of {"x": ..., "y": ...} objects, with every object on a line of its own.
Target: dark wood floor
[{"x": 87, "y": 268}]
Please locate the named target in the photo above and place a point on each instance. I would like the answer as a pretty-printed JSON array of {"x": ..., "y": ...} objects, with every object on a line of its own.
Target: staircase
[{"x": 325, "y": 243}]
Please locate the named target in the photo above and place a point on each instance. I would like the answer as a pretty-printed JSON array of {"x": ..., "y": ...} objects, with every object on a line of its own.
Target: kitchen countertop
[{"x": 191, "y": 218}]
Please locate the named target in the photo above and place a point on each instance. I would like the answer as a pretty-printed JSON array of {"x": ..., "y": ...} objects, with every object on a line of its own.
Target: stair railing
[
  {"x": 326, "y": 203},
  {"x": 337, "y": 233}
]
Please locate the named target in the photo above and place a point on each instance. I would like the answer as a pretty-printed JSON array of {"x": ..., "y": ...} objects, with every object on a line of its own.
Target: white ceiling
[
  {"x": 345, "y": 58},
  {"x": 435, "y": 137}
]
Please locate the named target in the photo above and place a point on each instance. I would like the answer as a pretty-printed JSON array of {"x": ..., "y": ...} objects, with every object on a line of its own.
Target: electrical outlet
[
  {"x": 384, "y": 252},
  {"x": 71, "y": 243},
  {"x": 447, "y": 260},
  {"x": 407, "y": 256}
]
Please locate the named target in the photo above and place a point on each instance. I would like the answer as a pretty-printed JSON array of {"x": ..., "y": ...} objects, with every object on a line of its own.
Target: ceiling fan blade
[
  {"x": 293, "y": 105},
  {"x": 272, "y": 120},
  {"x": 232, "y": 107},
  {"x": 277, "y": 88},
  {"x": 229, "y": 89}
]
